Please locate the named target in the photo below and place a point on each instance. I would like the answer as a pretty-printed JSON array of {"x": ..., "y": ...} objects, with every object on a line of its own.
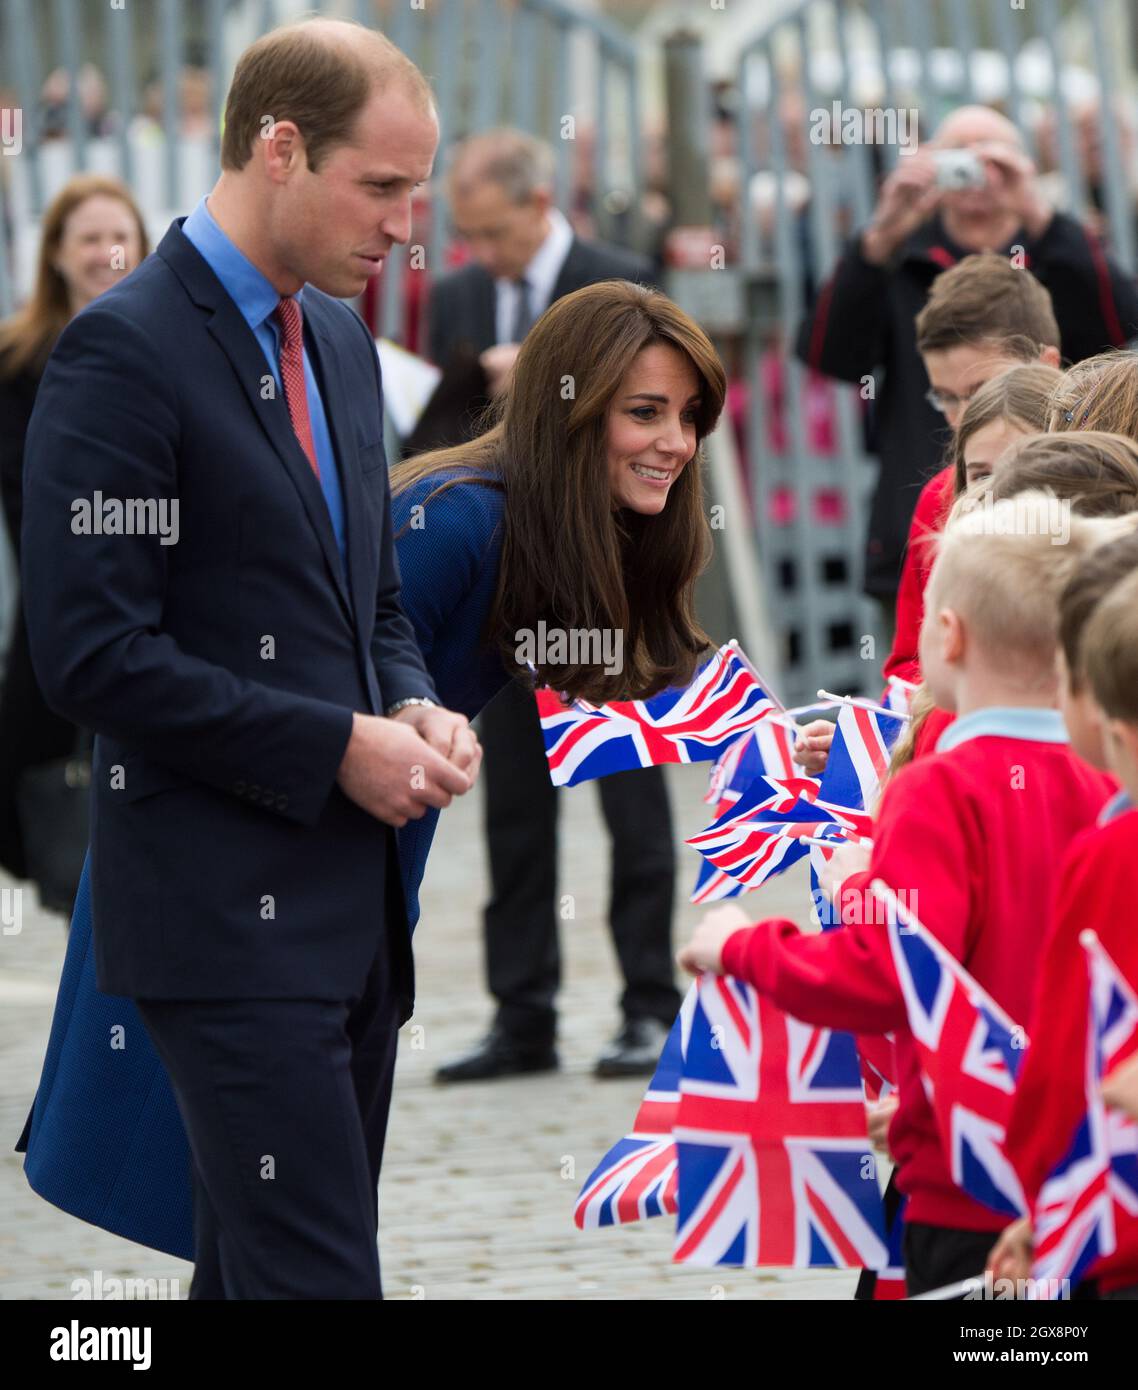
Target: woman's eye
[{"x": 644, "y": 412}]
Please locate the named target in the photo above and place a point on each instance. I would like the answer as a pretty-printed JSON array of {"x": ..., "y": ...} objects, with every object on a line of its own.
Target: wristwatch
[{"x": 410, "y": 700}]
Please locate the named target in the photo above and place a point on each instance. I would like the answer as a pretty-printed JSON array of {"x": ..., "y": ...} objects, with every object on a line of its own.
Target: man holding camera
[{"x": 971, "y": 188}]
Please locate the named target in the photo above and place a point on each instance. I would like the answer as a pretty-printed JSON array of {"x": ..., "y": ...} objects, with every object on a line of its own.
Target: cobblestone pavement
[{"x": 478, "y": 1181}]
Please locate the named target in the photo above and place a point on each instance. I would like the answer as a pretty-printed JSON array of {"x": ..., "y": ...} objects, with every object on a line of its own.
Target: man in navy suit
[{"x": 211, "y": 585}]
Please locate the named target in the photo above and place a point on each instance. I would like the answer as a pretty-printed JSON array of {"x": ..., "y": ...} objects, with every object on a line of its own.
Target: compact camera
[{"x": 958, "y": 169}]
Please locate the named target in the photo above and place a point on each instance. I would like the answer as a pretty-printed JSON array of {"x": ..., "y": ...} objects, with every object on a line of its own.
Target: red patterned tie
[{"x": 292, "y": 375}]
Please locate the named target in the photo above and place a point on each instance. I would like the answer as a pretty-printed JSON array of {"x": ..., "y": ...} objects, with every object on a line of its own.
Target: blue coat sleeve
[
  {"x": 107, "y": 415},
  {"x": 397, "y": 659},
  {"x": 444, "y": 545}
]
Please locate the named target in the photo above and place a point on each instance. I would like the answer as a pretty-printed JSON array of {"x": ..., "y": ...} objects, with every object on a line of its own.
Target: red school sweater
[
  {"x": 929, "y": 516},
  {"x": 1095, "y": 889},
  {"x": 977, "y": 833}
]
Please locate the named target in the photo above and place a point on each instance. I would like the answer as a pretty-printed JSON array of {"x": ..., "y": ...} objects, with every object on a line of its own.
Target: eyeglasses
[{"x": 944, "y": 401}]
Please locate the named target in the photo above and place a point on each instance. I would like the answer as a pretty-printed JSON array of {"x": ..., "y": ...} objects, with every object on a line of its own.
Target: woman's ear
[{"x": 1049, "y": 356}]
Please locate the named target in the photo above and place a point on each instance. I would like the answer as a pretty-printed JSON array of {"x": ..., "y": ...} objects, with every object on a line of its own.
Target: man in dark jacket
[
  {"x": 525, "y": 257},
  {"x": 862, "y": 321}
]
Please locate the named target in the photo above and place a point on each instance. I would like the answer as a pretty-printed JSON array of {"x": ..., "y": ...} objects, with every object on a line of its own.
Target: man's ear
[
  {"x": 283, "y": 147},
  {"x": 1049, "y": 356}
]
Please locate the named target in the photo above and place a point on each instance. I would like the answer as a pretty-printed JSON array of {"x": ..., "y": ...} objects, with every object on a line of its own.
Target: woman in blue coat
[{"x": 578, "y": 510}]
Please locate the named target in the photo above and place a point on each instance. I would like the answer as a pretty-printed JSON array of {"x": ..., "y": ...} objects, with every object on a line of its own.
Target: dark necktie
[
  {"x": 523, "y": 314},
  {"x": 292, "y": 376}
]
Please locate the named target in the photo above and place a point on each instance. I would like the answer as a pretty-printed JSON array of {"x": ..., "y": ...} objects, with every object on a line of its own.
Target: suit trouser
[
  {"x": 285, "y": 1103},
  {"x": 523, "y": 962}
]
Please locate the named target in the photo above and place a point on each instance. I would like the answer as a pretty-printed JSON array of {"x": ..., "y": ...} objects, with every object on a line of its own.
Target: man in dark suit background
[
  {"x": 212, "y": 587},
  {"x": 526, "y": 256}
]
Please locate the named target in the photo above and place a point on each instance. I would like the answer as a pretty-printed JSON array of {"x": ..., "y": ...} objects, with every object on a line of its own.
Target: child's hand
[
  {"x": 1120, "y": 1088},
  {"x": 1011, "y": 1255},
  {"x": 812, "y": 746},
  {"x": 705, "y": 950},
  {"x": 847, "y": 859},
  {"x": 879, "y": 1118}
]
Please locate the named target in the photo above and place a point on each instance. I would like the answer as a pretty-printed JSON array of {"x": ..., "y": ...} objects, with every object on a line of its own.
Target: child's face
[
  {"x": 1082, "y": 717},
  {"x": 990, "y": 445},
  {"x": 957, "y": 373}
]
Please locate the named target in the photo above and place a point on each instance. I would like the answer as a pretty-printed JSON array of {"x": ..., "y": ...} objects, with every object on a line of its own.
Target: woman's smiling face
[{"x": 651, "y": 429}]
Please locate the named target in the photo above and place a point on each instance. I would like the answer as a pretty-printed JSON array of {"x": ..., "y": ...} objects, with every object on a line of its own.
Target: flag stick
[
  {"x": 862, "y": 704},
  {"x": 961, "y": 1289},
  {"x": 749, "y": 664}
]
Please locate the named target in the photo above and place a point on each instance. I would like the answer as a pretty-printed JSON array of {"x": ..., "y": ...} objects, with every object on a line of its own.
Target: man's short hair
[
  {"x": 985, "y": 299},
  {"x": 318, "y": 74},
  {"x": 1110, "y": 651},
  {"x": 517, "y": 162}
]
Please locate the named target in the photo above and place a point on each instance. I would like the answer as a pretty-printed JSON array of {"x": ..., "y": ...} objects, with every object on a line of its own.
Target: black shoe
[
  {"x": 499, "y": 1054},
  {"x": 635, "y": 1050}
]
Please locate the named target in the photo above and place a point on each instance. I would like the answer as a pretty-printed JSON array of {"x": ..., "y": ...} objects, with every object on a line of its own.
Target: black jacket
[
  {"x": 461, "y": 323},
  {"x": 862, "y": 322}
]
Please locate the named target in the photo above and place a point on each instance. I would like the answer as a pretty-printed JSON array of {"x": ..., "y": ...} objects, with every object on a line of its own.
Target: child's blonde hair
[{"x": 1001, "y": 564}]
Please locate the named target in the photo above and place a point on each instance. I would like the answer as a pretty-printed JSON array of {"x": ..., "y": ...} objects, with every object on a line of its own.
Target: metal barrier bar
[
  {"x": 218, "y": 66},
  {"x": 1006, "y": 35},
  {"x": 1068, "y": 158},
  {"x": 561, "y": 44},
  {"x": 118, "y": 43},
  {"x": 964, "y": 41},
  {"x": 67, "y": 36},
  {"x": 1117, "y": 192},
  {"x": 170, "y": 57},
  {"x": 22, "y": 44},
  {"x": 876, "y": 16},
  {"x": 487, "y": 88}
]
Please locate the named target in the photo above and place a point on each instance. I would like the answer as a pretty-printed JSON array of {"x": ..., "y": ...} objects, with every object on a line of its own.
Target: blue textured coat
[{"x": 104, "y": 1140}]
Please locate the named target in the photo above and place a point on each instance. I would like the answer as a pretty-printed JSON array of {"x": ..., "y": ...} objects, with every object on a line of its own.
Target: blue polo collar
[
  {"x": 1036, "y": 725},
  {"x": 1118, "y": 805}
]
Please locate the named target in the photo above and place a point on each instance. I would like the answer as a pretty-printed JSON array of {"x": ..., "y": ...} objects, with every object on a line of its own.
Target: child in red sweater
[
  {"x": 968, "y": 836},
  {"x": 1098, "y": 663},
  {"x": 982, "y": 316}
]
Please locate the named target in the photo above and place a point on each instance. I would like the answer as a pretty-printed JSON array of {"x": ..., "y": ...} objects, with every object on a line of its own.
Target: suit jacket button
[
  {"x": 282, "y": 802},
  {"x": 239, "y": 788}
]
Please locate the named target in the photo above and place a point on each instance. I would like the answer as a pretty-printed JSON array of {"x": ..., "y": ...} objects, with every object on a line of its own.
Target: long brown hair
[
  {"x": 1021, "y": 396},
  {"x": 27, "y": 338},
  {"x": 569, "y": 557}
]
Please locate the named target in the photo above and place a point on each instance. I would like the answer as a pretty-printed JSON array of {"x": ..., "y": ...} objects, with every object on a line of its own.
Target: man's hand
[
  {"x": 847, "y": 859},
  {"x": 1016, "y": 186},
  {"x": 908, "y": 198},
  {"x": 498, "y": 362},
  {"x": 393, "y": 773},
  {"x": 1011, "y": 1255},
  {"x": 448, "y": 733},
  {"x": 705, "y": 950},
  {"x": 812, "y": 746}
]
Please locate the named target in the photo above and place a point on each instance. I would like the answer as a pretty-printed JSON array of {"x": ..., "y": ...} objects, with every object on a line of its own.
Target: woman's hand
[
  {"x": 812, "y": 746},
  {"x": 705, "y": 950}
]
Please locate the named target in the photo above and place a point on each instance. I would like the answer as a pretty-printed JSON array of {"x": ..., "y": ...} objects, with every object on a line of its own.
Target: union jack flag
[
  {"x": 859, "y": 756},
  {"x": 637, "y": 1177},
  {"x": 775, "y": 1166},
  {"x": 970, "y": 1052},
  {"x": 767, "y": 751},
  {"x": 772, "y": 826},
  {"x": 694, "y": 724},
  {"x": 1092, "y": 1193}
]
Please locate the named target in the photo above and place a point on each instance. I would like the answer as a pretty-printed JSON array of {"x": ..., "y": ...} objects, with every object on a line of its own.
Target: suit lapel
[
  {"x": 361, "y": 570},
  {"x": 485, "y": 311},
  {"x": 236, "y": 339},
  {"x": 569, "y": 277}
]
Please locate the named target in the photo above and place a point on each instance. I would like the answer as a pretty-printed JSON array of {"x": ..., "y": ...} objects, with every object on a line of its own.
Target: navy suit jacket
[{"x": 220, "y": 672}]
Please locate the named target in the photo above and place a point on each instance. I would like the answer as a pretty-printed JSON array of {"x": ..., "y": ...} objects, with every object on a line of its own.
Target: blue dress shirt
[{"x": 257, "y": 300}]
